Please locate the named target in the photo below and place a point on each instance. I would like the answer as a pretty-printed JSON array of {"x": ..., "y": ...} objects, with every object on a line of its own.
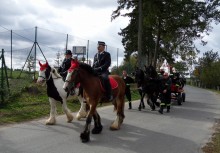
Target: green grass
[
  {"x": 214, "y": 145},
  {"x": 28, "y": 104},
  {"x": 29, "y": 101}
]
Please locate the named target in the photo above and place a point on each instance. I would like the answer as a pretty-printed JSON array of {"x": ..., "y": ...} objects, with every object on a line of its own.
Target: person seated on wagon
[{"x": 176, "y": 80}]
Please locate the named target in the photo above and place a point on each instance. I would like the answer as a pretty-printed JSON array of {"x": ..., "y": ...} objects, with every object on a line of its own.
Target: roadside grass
[
  {"x": 214, "y": 145},
  {"x": 30, "y": 102}
]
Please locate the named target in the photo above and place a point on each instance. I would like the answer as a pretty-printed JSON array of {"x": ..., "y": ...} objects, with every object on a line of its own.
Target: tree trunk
[
  {"x": 141, "y": 58},
  {"x": 157, "y": 42}
]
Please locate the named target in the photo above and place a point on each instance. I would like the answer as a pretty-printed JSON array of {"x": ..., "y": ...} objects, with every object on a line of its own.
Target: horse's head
[
  {"x": 44, "y": 73},
  {"x": 150, "y": 72},
  {"x": 138, "y": 76},
  {"x": 72, "y": 78}
]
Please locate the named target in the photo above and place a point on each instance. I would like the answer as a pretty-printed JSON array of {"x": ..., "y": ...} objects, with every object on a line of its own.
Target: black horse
[
  {"x": 139, "y": 79},
  {"x": 149, "y": 84}
]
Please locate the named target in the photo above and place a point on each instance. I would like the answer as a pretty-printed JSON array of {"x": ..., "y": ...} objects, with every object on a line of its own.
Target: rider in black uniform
[
  {"x": 63, "y": 69},
  {"x": 102, "y": 61}
]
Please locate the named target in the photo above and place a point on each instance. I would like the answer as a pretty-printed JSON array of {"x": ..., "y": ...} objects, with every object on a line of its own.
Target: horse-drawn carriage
[
  {"x": 177, "y": 91},
  {"x": 149, "y": 85},
  {"x": 178, "y": 82}
]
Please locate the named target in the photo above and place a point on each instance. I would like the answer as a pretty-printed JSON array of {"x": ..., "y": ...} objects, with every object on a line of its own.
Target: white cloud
[
  {"x": 212, "y": 39},
  {"x": 82, "y": 20}
]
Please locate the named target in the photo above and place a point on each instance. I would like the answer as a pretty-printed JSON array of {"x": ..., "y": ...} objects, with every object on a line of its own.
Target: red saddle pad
[{"x": 114, "y": 84}]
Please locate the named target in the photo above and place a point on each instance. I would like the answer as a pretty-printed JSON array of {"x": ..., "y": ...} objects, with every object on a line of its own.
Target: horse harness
[{"x": 46, "y": 79}]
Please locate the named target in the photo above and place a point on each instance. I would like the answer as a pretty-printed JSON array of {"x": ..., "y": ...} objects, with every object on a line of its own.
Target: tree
[
  {"x": 129, "y": 66},
  {"x": 208, "y": 58},
  {"x": 169, "y": 26},
  {"x": 30, "y": 63},
  {"x": 209, "y": 69},
  {"x": 58, "y": 59},
  {"x": 180, "y": 66}
]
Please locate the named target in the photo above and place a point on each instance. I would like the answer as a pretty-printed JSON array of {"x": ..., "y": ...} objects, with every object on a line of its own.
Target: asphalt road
[{"x": 184, "y": 130}]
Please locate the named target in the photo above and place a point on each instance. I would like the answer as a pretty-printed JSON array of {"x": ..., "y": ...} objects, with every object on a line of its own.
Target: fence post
[{"x": 2, "y": 79}]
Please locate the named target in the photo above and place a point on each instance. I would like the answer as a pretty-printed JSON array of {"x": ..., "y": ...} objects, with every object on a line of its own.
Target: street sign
[{"x": 79, "y": 50}]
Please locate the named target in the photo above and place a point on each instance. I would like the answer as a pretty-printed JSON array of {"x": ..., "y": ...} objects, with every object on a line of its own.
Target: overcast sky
[{"x": 86, "y": 19}]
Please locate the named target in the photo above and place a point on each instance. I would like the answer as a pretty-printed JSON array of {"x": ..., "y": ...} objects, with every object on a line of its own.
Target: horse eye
[{"x": 53, "y": 71}]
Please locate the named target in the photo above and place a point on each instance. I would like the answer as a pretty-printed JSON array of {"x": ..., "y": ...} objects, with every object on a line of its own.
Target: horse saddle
[{"x": 113, "y": 83}]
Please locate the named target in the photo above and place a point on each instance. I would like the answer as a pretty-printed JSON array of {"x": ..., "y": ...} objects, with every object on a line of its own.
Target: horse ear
[
  {"x": 40, "y": 64},
  {"x": 46, "y": 64},
  {"x": 74, "y": 64}
]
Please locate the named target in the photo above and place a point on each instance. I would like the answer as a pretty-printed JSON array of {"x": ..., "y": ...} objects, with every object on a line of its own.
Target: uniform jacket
[
  {"x": 64, "y": 67},
  {"x": 127, "y": 81},
  {"x": 102, "y": 61},
  {"x": 166, "y": 84}
]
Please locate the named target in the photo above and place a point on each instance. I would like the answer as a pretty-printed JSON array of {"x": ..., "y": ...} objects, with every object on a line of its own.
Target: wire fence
[{"x": 20, "y": 45}]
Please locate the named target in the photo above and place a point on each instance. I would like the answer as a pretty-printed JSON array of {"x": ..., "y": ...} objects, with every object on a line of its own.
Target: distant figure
[
  {"x": 127, "y": 79},
  {"x": 102, "y": 61},
  {"x": 62, "y": 70}
]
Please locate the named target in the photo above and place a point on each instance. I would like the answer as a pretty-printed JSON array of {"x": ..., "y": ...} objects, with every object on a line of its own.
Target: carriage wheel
[
  {"x": 179, "y": 100},
  {"x": 183, "y": 97}
]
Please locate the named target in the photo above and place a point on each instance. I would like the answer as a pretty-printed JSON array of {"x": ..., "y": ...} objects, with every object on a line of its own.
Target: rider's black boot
[
  {"x": 130, "y": 106},
  {"x": 161, "y": 110},
  {"x": 168, "y": 109}
]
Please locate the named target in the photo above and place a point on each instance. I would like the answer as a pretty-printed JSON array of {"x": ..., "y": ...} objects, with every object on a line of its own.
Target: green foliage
[
  {"x": 176, "y": 23},
  {"x": 180, "y": 66},
  {"x": 209, "y": 68},
  {"x": 29, "y": 103},
  {"x": 126, "y": 65},
  {"x": 210, "y": 75},
  {"x": 208, "y": 58}
]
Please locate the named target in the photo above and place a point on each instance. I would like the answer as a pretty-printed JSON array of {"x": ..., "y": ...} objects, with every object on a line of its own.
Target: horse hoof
[
  {"x": 69, "y": 118},
  {"x": 114, "y": 127},
  {"x": 81, "y": 115},
  {"x": 50, "y": 122},
  {"x": 97, "y": 130},
  {"x": 85, "y": 137}
]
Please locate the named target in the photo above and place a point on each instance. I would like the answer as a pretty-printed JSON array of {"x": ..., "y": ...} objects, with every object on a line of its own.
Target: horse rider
[
  {"x": 127, "y": 79},
  {"x": 165, "y": 94},
  {"x": 102, "y": 61},
  {"x": 63, "y": 69}
]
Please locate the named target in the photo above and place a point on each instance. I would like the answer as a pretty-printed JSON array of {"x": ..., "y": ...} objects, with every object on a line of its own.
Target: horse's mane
[
  {"x": 88, "y": 68},
  {"x": 55, "y": 72},
  {"x": 150, "y": 70}
]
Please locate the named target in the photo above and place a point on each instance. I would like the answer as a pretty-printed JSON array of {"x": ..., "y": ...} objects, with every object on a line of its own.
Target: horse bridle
[
  {"x": 46, "y": 79},
  {"x": 73, "y": 83}
]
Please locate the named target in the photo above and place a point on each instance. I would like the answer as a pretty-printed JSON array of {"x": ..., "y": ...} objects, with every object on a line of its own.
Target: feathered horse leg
[
  {"x": 52, "y": 118},
  {"x": 67, "y": 111},
  {"x": 82, "y": 113}
]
